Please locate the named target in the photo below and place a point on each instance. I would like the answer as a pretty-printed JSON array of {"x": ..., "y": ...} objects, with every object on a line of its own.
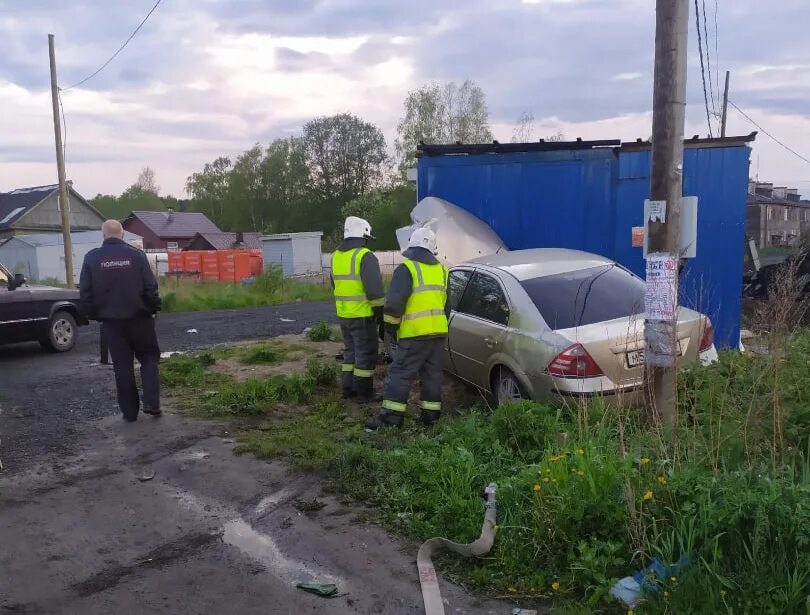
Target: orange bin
[
  {"x": 192, "y": 262},
  {"x": 210, "y": 265},
  {"x": 227, "y": 266},
  {"x": 175, "y": 261},
  {"x": 256, "y": 262},
  {"x": 242, "y": 262}
]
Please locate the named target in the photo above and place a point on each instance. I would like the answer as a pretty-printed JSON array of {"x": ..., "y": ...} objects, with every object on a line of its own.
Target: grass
[
  {"x": 269, "y": 288},
  {"x": 322, "y": 332},
  {"x": 263, "y": 356},
  {"x": 586, "y": 495}
]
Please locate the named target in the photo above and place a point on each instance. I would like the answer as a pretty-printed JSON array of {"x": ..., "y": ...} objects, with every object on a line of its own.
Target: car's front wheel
[
  {"x": 62, "y": 331},
  {"x": 506, "y": 387}
]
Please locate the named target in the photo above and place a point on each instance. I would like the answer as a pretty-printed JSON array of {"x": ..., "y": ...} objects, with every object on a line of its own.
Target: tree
[
  {"x": 386, "y": 210},
  {"x": 442, "y": 114},
  {"x": 287, "y": 181},
  {"x": 209, "y": 188},
  {"x": 346, "y": 158},
  {"x": 146, "y": 181},
  {"x": 524, "y": 128}
]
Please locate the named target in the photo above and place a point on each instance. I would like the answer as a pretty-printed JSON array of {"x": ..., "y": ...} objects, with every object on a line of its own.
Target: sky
[{"x": 206, "y": 78}]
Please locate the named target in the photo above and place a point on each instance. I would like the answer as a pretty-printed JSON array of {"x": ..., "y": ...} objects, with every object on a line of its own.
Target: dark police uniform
[{"x": 118, "y": 288}]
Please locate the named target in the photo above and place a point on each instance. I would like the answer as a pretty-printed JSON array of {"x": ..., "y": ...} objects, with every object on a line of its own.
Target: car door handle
[{"x": 490, "y": 343}]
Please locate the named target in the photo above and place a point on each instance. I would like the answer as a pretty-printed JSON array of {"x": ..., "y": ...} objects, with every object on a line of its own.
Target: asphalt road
[
  {"x": 98, "y": 516},
  {"x": 45, "y": 399}
]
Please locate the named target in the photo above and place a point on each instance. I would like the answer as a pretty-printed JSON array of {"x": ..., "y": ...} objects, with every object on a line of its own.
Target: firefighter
[
  {"x": 117, "y": 288},
  {"x": 415, "y": 315},
  {"x": 359, "y": 298}
]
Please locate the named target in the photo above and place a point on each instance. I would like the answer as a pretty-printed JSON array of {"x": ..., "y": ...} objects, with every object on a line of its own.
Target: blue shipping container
[{"x": 588, "y": 196}]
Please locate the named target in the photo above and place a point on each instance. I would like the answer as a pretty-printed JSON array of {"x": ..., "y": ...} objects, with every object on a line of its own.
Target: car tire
[
  {"x": 506, "y": 387},
  {"x": 62, "y": 331}
]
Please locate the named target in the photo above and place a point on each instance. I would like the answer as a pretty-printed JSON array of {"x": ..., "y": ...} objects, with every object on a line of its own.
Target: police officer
[
  {"x": 359, "y": 297},
  {"x": 415, "y": 314},
  {"x": 118, "y": 288}
]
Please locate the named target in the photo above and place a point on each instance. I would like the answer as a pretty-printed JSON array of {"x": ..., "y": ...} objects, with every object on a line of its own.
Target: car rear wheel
[
  {"x": 61, "y": 333},
  {"x": 506, "y": 387}
]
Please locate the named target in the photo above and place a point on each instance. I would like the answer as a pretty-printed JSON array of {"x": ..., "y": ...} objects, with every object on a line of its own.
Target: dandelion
[
  {"x": 631, "y": 612},
  {"x": 547, "y": 470},
  {"x": 546, "y": 479},
  {"x": 555, "y": 586},
  {"x": 581, "y": 452},
  {"x": 536, "y": 488},
  {"x": 673, "y": 579},
  {"x": 723, "y": 593},
  {"x": 648, "y": 495},
  {"x": 666, "y": 595},
  {"x": 558, "y": 457},
  {"x": 580, "y": 472},
  {"x": 512, "y": 590},
  {"x": 644, "y": 461},
  {"x": 662, "y": 480}
]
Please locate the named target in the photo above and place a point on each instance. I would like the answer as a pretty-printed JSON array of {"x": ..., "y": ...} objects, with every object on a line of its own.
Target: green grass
[
  {"x": 269, "y": 288},
  {"x": 586, "y": 496},
  {"x": 263, "y": 356},
  {"x": 322, "y": 332}
]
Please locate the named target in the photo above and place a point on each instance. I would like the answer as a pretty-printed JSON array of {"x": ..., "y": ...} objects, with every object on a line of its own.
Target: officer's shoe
[
  {"x": 386, "y": 419},
  {"x": 429, "y": 417},
  {"x": 152, "y": 411}
]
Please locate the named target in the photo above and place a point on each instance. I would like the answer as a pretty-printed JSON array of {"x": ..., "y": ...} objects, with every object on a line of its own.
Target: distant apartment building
[{"x": 776, "y": 216}]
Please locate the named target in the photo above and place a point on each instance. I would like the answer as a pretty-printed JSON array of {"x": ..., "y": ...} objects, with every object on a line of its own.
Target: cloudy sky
[{"x": 206, "y": 78}]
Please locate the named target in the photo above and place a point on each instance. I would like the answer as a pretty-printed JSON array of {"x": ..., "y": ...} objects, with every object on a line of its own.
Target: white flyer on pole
[{"x": 661, "y": 290}]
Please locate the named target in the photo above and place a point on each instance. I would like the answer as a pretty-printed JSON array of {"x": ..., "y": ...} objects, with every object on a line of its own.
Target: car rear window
[{"x": 587, "y": 296}]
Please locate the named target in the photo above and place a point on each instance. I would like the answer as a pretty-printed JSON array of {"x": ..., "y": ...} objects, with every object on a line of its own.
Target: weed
[
  {"x": 322, "y": 332},
  {"x": 185, "y": 370},
  {"x": 263, "y": 356}
]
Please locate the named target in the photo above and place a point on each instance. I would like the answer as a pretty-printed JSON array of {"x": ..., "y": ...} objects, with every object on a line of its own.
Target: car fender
[
  {"x": 71, "y": 308},
  {"x": 500, "y": 359}
]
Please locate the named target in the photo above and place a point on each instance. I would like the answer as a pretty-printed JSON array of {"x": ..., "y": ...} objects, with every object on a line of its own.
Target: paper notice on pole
[{"x": 661, "y": 290}]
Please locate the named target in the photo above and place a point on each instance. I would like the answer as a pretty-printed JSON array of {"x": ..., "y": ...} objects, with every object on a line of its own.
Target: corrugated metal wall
[
  {"x": 280, "y": 252},
  {"x": 591, "y": 199}
]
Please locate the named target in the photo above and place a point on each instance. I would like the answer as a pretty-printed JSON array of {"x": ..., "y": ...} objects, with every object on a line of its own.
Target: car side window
[
  {"x": 485, "y": 299},
  {"x": 455, "y": 287}
]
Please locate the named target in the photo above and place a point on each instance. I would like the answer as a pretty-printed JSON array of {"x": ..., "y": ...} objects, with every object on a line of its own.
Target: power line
[
  {"x": 708, "y": 59},
  {"x": 788, "y": 148},
  {"x": 120, "y": 49},
  {"x": 702, "y": 67},
  {"x": 716, "y": 51}
]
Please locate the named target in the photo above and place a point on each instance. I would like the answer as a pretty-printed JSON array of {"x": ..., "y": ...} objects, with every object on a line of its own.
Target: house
[
  {"x": 295, "y": 253},
  {"x": 776, "y": 216},
  {"x": 168, "y": 230},
  {"x": 36, "y": 210},
  {"x": 42, "y": 256},
  {"x": 225, "y": 241}
]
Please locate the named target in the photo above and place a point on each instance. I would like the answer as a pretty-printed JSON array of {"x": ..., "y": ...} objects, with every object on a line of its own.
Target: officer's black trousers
[{"x": 128, "y": 339}]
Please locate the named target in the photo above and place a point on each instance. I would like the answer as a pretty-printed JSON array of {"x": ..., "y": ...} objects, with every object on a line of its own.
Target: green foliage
[
  {"x": 134, "y": 198},
  {"x": 269, "y": 288},
  {"x": 263, "y": 356},
  {"x": 386, "y": 210},
  {"x": 322, "y": 332},
  {"x": 185, "y": 370}
]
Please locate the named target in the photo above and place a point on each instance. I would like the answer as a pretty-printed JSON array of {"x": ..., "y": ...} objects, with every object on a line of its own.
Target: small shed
[
  {"x": 296, "y": 253},
  {"x": 225, "y": 241},
  {"x": 42, "y": 256}
]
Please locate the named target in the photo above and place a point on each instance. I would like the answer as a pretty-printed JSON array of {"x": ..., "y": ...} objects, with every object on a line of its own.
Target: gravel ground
[{"x": 46, "y": 399}]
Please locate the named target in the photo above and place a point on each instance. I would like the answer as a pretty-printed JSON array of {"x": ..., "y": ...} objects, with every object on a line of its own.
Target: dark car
[{"x": 32, "y": 313}]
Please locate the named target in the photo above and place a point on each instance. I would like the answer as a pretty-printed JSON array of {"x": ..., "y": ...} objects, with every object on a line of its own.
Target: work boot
[
  {"x": 369, "y": 398},
  {"x": 348, "y": 394},
  {"x": 430, "y": 417},
  {"x": 152, "y": 411},
  {"x": 365, "y": 391},
  {"x": 386, "y": 419}
]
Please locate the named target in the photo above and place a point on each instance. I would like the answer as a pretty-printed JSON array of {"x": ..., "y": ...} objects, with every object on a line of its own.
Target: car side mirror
[{"x": 17, "y": 281}]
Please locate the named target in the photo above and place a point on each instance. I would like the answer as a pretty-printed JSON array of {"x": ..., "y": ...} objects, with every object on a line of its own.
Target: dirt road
[{"x": 159, "y": 516}]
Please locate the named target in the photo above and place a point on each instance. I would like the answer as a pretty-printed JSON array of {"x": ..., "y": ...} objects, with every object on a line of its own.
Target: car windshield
[
  {"x": 3, "y": 275},
  {"x": 587, "y": 296}
]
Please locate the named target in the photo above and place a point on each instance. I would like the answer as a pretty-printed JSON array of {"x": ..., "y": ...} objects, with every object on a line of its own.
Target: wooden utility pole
[
  {"x": 64, "y": 196},
  {"x": 725, "y": 107},
  {"x": 661, "y": 296}
]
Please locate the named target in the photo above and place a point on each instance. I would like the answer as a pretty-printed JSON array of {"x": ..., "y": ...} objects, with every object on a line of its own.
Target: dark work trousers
[
  {"x": 415, "y": 356},
  {"x": 359, "y": 354},
  {"x": 128, "y": 339}
]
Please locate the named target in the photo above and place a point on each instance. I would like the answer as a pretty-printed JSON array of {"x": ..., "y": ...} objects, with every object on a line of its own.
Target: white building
[
  {"x": 295, "y": 253},
  {"x": 42, "y": 257}
]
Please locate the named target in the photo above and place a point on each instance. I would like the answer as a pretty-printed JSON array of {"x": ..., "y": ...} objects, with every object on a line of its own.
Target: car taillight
[
  {"x": 574, "y": 362},
  {"x": 708, "y": 337}
]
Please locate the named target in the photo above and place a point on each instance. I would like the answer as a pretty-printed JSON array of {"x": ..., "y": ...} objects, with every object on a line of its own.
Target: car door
[
  {"x": 456, "y": 285},
  {"x": 478, "y": 327},
  {"x": 16, "y": 324}
]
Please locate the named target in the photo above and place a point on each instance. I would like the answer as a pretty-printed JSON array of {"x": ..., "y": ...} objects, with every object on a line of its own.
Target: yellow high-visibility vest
[
  {"x": 350, "y": 295},
  {"x": 424, "y": 311}
]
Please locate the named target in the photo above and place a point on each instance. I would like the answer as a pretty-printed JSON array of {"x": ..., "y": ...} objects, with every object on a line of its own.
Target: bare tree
[
  {"x": 442, "y": 114},
  {"x": 146, "y": 181},
  {"x": 524, "y": 128}
]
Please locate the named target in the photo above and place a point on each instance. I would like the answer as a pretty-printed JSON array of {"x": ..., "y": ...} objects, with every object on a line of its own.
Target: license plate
[{"x": 635, "y": 358}]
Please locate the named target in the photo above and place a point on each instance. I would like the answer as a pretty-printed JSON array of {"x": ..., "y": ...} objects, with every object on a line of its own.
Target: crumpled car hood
[{"x": 459, "y": 234}]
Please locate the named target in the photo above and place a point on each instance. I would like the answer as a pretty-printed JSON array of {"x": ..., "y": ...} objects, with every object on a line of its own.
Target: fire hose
[{"x": 429, "y": 581}]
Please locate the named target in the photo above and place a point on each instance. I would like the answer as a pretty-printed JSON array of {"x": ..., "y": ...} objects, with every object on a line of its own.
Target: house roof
[
  {"x": 175, "y": 224},
  {"x": 17, "y": 203},
  {"x": 226, "y": 241},
  {"x": 301, "y": 235},
  {"x": 81, "y": 238}
]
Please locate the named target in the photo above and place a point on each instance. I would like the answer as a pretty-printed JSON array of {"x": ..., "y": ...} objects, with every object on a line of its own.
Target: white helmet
[
  {"x": 355, "y": 227},
  {"x": 424, "y": 238}
]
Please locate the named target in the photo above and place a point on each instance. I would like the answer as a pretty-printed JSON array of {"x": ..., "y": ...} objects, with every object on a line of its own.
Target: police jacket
[
  {"x": 117, "y": 283},
  {"x": 402, "y": 285}
]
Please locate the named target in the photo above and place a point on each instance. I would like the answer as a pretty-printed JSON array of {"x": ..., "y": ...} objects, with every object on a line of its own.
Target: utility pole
[
  {"x": 725, "y": 107},
  {"x": 64, "y": 196},
  {"x": 666, "y": 185}
]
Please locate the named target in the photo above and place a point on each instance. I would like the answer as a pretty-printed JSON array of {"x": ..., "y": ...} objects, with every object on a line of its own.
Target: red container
[
  {"x": 210, "y": 265},
  {"x": 227, "y": 266},
  {"x": 175, "y": 262},
  {"x": 256, "y": 262},
  {"x": 241, "y": 265},
  {"x": 192, "y": 262}
]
